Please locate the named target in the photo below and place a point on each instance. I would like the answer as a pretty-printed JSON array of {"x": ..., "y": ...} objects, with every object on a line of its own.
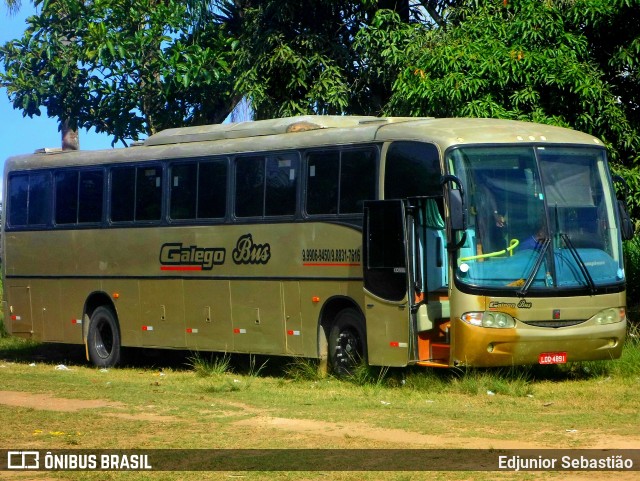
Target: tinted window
[
  {"x": 282, "y": 177},
  {"x": 357, "y": 179},
  {"x": 212, "y": 189},
  {"x": 250, "y": 186},
  {"x": 412, "y": 169},
  {"x": 18, "y": 199},
  {"x": 199, "y": 190},
  {"x": 184, "y": 191},
  {"x": 148, "y": 193},
  {"x": 91, "y": 187},
  {"x": 40, "y": 198},
  {"x": 323, "y": 170},
  {"x": 123, "y": 192},
  {"x": 136, "y": 193},
  {"x": 66, "y": 197},
  {"x": 30, "y": 199}
]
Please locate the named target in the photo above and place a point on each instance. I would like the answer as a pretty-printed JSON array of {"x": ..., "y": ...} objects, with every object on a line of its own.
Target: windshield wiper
[
  {"x": 580, "y": 262},
  {"x": 527, "y": 285}
]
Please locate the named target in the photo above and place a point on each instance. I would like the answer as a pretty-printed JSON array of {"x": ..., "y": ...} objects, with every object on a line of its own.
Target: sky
[{"x": 23, "y": 135}]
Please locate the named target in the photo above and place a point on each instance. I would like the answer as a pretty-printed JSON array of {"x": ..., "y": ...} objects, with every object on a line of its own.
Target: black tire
[
  {"x": 347, "y": 342},
  {"x": 103, "y": 338}
]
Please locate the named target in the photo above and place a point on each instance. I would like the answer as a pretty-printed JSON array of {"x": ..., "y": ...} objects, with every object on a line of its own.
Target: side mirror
[
  {"x": 457, "y": 205},
  {"x": 457, "y": 210},
  {"x": 626, "y": 224},
  {"x": 627, "y": 229}
]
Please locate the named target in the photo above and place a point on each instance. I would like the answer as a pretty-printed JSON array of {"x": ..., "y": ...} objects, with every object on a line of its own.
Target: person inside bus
[
  {"x": 490, "y": 222},
  {"x": 535, "y": 240}
]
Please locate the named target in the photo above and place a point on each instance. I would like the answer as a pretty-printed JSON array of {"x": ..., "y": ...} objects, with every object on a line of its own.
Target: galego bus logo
[{"x": 177, "y": 257}]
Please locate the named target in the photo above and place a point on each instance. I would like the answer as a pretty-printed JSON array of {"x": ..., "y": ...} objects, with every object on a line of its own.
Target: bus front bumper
[{"x": 525, "y": 344}]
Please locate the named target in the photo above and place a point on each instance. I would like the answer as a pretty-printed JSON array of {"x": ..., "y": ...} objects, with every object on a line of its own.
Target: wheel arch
[
  {"x": 328, "y": 314},
  {"x": 94, "y": 300}
]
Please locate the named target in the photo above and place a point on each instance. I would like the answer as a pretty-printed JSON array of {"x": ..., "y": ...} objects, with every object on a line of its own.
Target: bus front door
[{"x": 387, "y": 274}]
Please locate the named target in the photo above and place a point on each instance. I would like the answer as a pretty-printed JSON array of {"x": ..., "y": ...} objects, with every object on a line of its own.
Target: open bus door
[
  {"x": 406, "y": 317},
  {"x": 387, "y": 276}
]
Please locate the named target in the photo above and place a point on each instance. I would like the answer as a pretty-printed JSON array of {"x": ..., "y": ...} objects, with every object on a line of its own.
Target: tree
[
  {"x": 302, "y": 57},
  {"x": 13, "y": 5},
  {"x": 124, "y": 68},
  {"x": 528, "y": 60},
  {"x": 142, "y": 65}
]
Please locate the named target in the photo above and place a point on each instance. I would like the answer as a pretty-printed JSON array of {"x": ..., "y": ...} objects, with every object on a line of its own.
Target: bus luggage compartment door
[{"x": 20, "y": 316}]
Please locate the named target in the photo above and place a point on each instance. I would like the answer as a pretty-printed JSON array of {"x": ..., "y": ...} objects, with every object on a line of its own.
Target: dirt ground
[{"x": 262, "y": 425}]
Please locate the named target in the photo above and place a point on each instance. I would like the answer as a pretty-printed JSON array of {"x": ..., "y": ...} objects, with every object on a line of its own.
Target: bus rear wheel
[
  {"x": 347, "y": 342},
  {"x": 103, "y": 338}
]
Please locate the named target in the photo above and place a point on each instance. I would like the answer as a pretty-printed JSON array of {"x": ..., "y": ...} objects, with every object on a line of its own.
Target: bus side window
[
  {"x": 66, "y": 197},
  {"x": 357, "y": 179},
  {"x": 123, "y": 191},
  {"x": 323, "y": 169},
  {"x": 40, "y": 198},
  {"x": 90, "y": 200},
  {"x": 30, "y": 199},
  {"x": 18, "y": 200},
  {"x": 250, "y": 186},
  {"x": 148, "y": 193},
  {"x": 136, "y": 193},
  {"x": 198, "y": 190},
  {"x": 282, "y": 179},
  {"x": 212, "y": 189},
  {"x": 183, "y": 191}
]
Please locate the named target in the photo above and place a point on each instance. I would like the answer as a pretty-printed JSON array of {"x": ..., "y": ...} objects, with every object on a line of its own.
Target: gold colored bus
[{"x": 437, "y": 242}]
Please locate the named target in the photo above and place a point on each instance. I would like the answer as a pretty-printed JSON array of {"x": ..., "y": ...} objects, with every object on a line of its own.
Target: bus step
[
  {"x": 433, "y": 363},
  {"x": 440, "y": 352}
]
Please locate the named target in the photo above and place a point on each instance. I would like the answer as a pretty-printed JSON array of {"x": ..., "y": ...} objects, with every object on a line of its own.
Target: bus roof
[{"x": 311, "y": 131}]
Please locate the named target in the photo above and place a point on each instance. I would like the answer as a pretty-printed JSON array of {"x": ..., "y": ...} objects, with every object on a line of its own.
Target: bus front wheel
[
  {"x": 103, "y": 338},
  {"x": 347, "y": 342}
]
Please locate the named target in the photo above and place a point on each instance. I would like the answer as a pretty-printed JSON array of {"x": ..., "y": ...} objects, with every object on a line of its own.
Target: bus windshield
[{"x": 539, "y": 219}]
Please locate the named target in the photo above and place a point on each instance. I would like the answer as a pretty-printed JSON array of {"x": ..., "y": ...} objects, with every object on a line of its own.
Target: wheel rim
[
  {"x": 348, "y": 348},
  {"x": 103, "y": 340}
]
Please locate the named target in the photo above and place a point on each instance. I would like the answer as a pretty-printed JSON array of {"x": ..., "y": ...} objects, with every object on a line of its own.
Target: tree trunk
[{"x": 70, "y": 139}]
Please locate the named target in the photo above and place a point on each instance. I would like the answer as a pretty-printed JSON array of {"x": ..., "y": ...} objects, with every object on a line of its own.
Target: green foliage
[
  {"x": 293, "y": 59},
  {"x": 303, "y": 369},
  {"x": 122, "y": 68},
  {"x": 365, "y": 375},
  {"x": 214, "y": 365},
  {"x": 529, "y": 61},
  {"x": 222, "y": 380},
  {"x": 632, "y": 272},
  {"x": 3, "y": 329},
  {"x": 631, "y": 192},
  {"x": 310, "y": 57}
]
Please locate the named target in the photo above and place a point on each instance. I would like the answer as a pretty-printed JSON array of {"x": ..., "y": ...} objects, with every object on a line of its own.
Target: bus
[{"x": 393, "y": 241}]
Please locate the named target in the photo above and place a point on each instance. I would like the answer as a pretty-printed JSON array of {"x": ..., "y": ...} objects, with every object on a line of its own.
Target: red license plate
[{"x": 552, "y": 358}]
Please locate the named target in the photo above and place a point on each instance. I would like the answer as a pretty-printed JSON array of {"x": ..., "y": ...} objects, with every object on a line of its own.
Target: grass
[
  {"x": 214, "y": 365},
  {"x": 188, "y": 400}
]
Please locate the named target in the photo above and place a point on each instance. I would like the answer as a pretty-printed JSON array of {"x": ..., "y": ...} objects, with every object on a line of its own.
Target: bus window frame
[
  {"x": 170, "y": 163},
  {"x": 375, "y": 147},
  {"x": 9, "y": 227},
  {"x": 163, "y": 198},
  {"x": 298, "y": 154},
  {"x": 77, "y": 224}
]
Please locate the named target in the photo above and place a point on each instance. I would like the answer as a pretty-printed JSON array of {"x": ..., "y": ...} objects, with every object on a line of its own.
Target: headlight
[
  {"x": 498, "y": 320},
  {"x": 610, "y": 316}
]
